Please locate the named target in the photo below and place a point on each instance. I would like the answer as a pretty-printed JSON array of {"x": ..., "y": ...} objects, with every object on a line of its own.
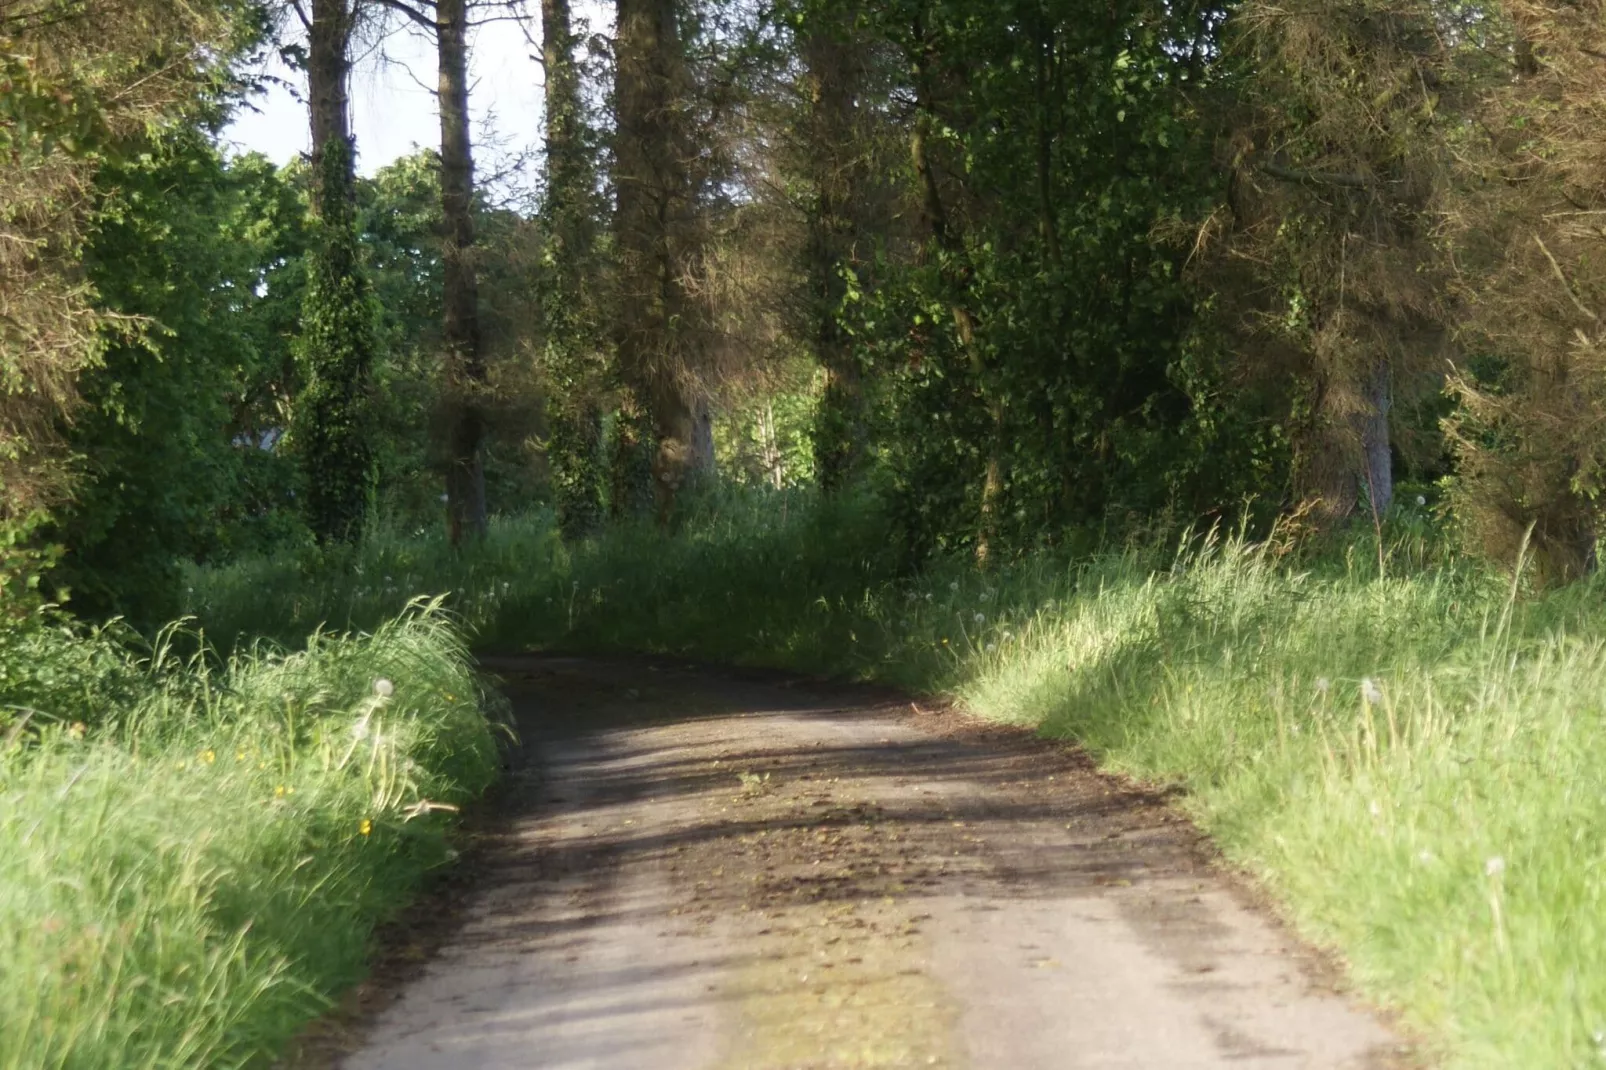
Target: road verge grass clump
[{"x": 192, "y": 867}]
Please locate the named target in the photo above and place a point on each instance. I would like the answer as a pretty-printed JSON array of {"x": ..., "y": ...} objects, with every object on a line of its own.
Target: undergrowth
[
  {"x": 193, "y": 853},
  {"x": 1406, "y": 747}
]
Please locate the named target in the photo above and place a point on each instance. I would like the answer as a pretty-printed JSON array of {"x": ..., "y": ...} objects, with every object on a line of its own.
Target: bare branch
[
  {"x": 1565, "y": 285},
  {"x": 1314, "y": 178},
  {"x": 421, "y": 18}
]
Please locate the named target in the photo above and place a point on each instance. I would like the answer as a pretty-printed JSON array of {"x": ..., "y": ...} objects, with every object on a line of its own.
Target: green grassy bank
[
  {"x": 193, "y": 855},
  {"x": 1412, "y": 756}
]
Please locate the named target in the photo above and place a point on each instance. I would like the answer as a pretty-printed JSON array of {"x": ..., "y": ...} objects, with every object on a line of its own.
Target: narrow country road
[{"x": 705, "y": 871}]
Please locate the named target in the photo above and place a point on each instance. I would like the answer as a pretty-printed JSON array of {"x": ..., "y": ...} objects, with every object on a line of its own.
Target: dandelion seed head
[
  {"x": 1494, "y": 866},
  {"x": 1371, "y": 692},
  {"x": 1376, "y": 808},
  {"x": 992, "y": 648},
  {"x": 981, "y": 618},
  {"x": 384, "y": 688},
  {"x": 1323, "y": 685},
  {"x": 1420, "y": 500},
  {"x": 954, "y": 586},
  {"x": 1424, "y": 857}
]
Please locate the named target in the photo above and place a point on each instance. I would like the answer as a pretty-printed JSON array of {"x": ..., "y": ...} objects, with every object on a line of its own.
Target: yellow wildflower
[
  {"x": 77, "y": 729},
  {"x": 366, "y": 828},
  {"x": 209, "y": 757},
  {"x": 278, "y": 792}
]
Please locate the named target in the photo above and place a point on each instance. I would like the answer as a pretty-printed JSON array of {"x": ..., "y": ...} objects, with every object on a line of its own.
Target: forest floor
[{"x": 707, "y": 869}]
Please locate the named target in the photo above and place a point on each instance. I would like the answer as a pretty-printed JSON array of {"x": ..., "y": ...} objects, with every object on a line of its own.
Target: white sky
[{"x": 393, "y": 103}]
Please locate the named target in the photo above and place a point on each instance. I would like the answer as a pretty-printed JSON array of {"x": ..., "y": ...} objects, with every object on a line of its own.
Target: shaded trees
[
  {"x": 660, "y": 331},
  {"x": 79, "y": 84},
  {"x": 573, "y": 353}
]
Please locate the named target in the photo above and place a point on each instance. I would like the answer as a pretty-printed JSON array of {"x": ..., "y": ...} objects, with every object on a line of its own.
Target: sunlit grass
[
  {"x": 192, "y": 867},
  {"x": 1413, "y": 756}
]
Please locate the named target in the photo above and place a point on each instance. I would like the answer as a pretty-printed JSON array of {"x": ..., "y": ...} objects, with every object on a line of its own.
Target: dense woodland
[{"x": 1035, "y": 273}]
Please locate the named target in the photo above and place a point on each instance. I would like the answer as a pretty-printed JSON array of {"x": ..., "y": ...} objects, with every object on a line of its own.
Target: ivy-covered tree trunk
[
  {"x": 465, "y": 357},
  {"x": 337, "y": 339},
  {"x": 573, "y": 345},
  {"x": 657, "y": 321}
]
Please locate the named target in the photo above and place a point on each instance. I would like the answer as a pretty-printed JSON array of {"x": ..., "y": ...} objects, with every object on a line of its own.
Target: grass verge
[
  {"x": 193, "y": 856},
  {"x": 1408, "y": 752}
]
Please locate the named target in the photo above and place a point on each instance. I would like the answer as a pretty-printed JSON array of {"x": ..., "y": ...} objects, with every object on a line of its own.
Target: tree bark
[
  {"x": 465, "y": 356},
  {"x": 329, "y": 98},
  {"x": 657, "y": 323},
  {"x": 1376, "y": 448},
  {"x": 836, "y": 170},
  {"x": 572, "y": 344}
]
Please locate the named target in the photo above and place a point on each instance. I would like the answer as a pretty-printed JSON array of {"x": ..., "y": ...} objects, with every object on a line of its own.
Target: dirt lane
[{"x": 715, "y": 873}]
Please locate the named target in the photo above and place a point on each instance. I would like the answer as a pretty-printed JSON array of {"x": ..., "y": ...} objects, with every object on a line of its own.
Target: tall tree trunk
[
  {"x": 836, "y": 171},
  {"x": 337, "y": 344},
  {"x": 958, "y": 273},
  {"x": 329, "y": 99},
  {"x": 465, "y": 357},
  {"x": 1374, "y": 436},
  {"x": 575, "y": 416},
  {"x": 657, "y": 325}
]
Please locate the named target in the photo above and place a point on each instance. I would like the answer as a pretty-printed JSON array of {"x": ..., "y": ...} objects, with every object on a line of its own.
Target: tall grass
[
  {"x": 192, "y": 861},
  {"x": 1411, "y": 752}
]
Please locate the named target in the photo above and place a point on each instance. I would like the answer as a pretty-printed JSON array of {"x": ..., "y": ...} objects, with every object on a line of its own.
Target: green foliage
[
  {"x": 193, "y": 859},
  {"x": 333, "y": 429},
  {"x": 1044, "y": 338},
  {"x": 206, "y": 254}
]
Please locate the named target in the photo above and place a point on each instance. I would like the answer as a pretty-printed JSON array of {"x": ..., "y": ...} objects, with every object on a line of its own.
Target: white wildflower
[
  {"x": 981, "y": 618},
  {"x": 1494, "y": 867},
  {"x": 1421, "y": 500},
  {"x": 1323, "y": 685},
  {"x": 384, "y": 688},
  {"x": 992, "y": 648},
  {"x": 1371, "y": 692}
]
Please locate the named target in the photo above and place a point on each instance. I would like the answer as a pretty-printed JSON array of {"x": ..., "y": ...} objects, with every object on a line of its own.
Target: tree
[
  {"x": 332, "y": 425},
  {"x": 1524, "y": 216},
  {"x": 844, "y": 208},
  {"x": 573, "y": 353},
  {"x": 660, "y": 329},
  {"x": 80, "y": 85},
  {"x": 171, "y": 435},
  {"x": 1321, "y": 262}
]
